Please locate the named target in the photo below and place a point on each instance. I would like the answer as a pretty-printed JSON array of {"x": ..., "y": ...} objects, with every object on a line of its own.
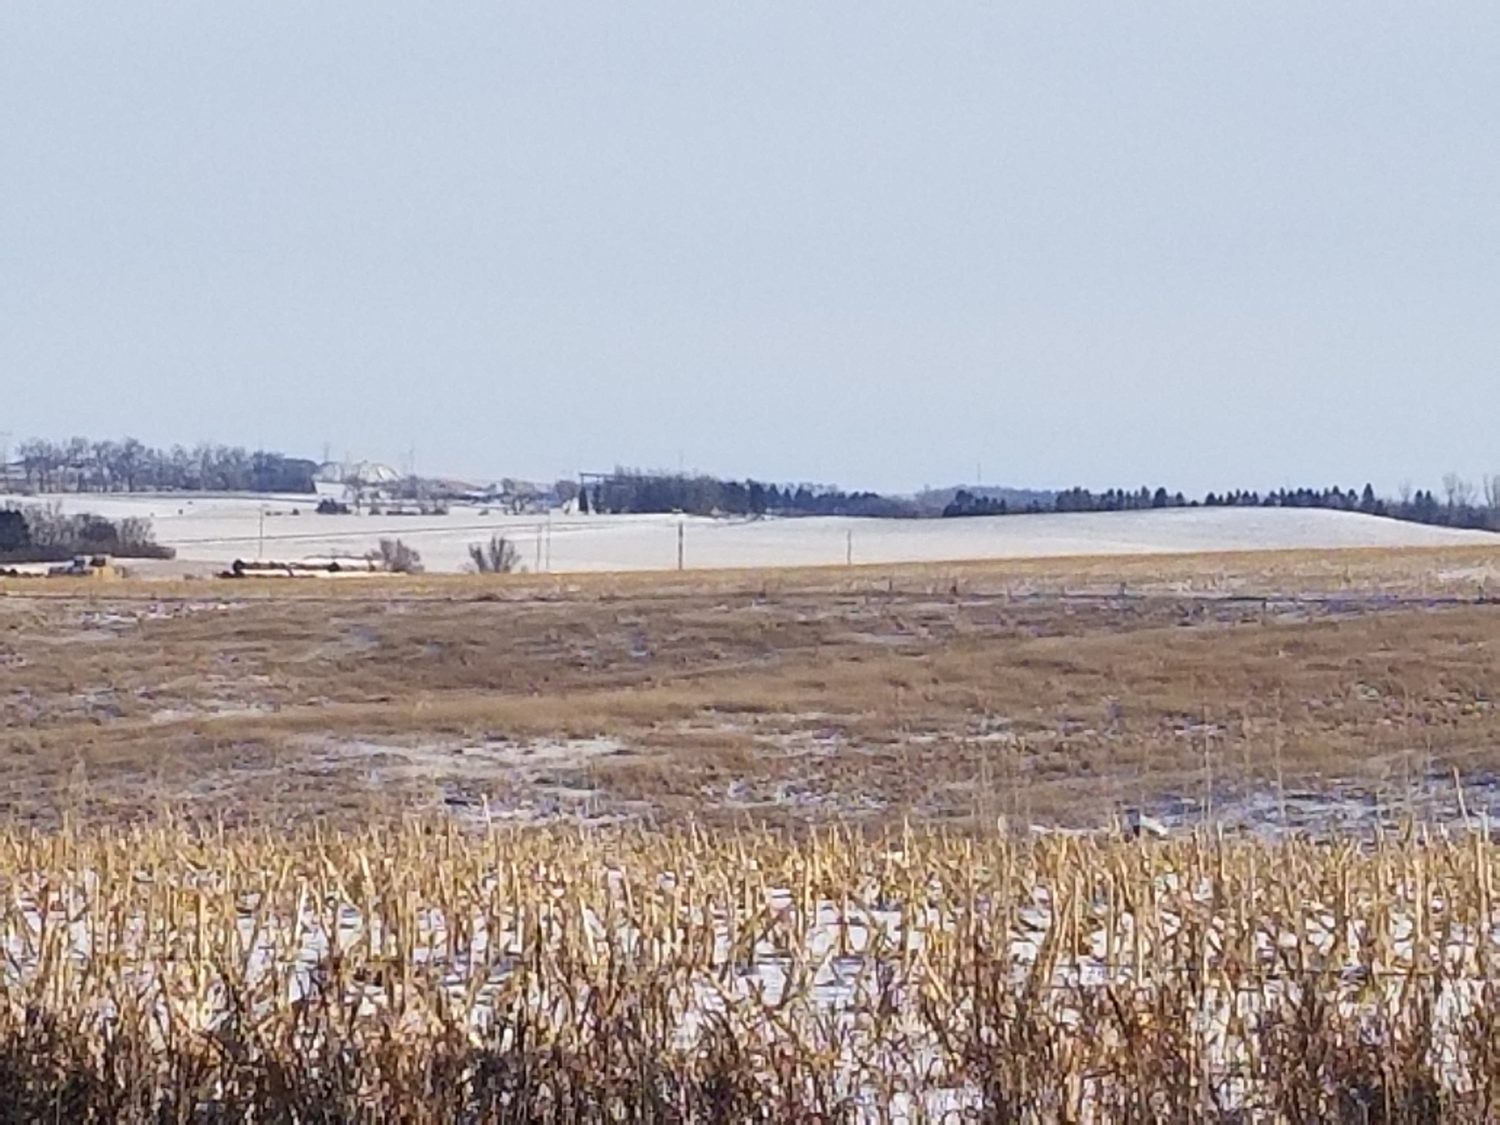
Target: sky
[{"x": 873, "y": 244}]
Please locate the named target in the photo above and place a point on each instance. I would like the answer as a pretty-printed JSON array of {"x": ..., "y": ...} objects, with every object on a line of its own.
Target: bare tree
[
  {"x": 39, "y": 459},
  {"x": 1459, "y": 492},
  {"x": 1492, "y": 492},
  {"x": 76, "y": 457},
  {"x": 131, "y": 460},
  {"x": 104, "y": 455}
]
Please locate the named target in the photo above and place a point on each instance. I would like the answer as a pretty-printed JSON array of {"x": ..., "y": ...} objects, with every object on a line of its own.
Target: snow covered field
[{"x": 215, "y": 530}]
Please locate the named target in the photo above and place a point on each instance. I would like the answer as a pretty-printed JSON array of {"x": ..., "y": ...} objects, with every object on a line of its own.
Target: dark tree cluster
[
  {"x": 81, "y": 465},
  {"x": 632, "y": 491},
  {"x": 966, "y": 503},
  {"x": 40, "y": 533},
  {"x": 1117, "y": 500},
  {"x": 15, "y": 533}
]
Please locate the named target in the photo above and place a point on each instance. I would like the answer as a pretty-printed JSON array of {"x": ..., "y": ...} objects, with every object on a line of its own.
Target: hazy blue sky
[{"x": 867, "y": 243}]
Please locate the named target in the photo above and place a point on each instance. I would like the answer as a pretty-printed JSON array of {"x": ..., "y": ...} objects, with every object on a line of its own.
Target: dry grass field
[
  {"x": 1044, "y": 693},
  {"x": 822, "y": 845}
]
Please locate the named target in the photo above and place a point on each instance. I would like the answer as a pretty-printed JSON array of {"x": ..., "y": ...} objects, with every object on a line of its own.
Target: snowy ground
[{"x": 212, "y": 531}]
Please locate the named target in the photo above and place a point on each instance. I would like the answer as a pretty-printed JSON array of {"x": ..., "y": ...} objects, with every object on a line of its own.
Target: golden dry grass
[{"x": 1039, "y": 691}]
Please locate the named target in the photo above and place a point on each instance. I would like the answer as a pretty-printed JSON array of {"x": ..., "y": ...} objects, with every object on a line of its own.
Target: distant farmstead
[
  {"x": 369, "y": 473},
  {"x": 354, "y": 478}
]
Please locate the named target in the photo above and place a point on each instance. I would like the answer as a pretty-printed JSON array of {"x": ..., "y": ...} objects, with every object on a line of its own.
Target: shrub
[
  {"x": 498, "y": 556},
  {"x": 396, "y": 557}
]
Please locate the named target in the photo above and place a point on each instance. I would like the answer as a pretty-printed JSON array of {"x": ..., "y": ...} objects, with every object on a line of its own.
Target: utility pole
[
  {"x": 680, "y": 524},
  {"x": 260, "y": 546},
  {"x": 849, "y": 548}
]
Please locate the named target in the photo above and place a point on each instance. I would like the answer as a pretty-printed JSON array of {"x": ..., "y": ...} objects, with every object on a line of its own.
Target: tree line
[
  {"x": 967, "y": 503},
  {"x": 1460, "y": 505},
  {"x": 128, "y": 465},
  {"x": 635, "y": 492}
]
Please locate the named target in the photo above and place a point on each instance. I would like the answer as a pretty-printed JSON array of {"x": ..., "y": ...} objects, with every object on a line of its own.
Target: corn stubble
[{"x": 422, "y": 975}]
